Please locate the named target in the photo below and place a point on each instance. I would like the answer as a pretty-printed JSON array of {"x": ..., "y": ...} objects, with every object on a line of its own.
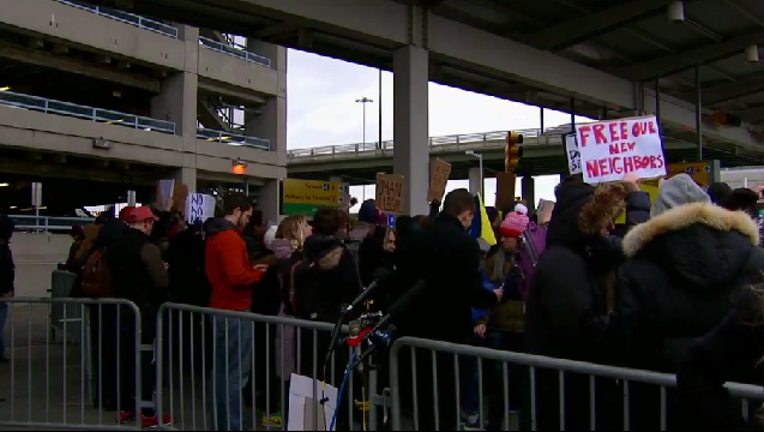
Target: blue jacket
[{"x": 478, "y": 314}]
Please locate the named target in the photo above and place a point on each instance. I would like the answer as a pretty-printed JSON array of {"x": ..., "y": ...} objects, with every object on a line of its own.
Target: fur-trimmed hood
[
  {"x": 324, "y": 251},
  {"x": 582, "y": 210},
  {"x": 700, "y": 242}
]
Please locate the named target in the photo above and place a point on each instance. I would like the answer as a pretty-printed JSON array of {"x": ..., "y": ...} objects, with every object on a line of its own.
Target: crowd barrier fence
[
  {"x": 111, "y": 361},
  {"x": 65, "y": 384}
]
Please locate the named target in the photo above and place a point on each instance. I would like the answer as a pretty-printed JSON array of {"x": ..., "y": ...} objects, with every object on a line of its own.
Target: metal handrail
[
  {"x": 470, "y": 138},
  {"x": 234, "y": 51},
  {"x": 50, "y": 106},
  {"x": 47, "y": 223},
  {"x": 125, "y": 17},
  {"x": 233, "y": 139}
]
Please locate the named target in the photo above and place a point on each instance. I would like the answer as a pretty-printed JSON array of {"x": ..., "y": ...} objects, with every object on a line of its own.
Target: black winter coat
[{"x": 679, "y": 282}]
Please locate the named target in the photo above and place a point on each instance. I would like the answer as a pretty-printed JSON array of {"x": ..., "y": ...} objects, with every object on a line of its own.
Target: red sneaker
[
  {"x": 149, "y": 422},
  {"x": 126, "y": 417}
]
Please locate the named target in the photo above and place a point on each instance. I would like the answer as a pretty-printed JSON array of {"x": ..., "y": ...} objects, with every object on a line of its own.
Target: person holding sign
[{"x": 231, "y": 278}]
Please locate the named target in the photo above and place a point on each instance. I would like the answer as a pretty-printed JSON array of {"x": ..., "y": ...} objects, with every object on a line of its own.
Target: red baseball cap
[{"x": 137, "y": 214}]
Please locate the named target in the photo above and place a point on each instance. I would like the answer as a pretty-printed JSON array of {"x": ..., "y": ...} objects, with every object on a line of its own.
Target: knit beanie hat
[{"x": 514, "y": 224}]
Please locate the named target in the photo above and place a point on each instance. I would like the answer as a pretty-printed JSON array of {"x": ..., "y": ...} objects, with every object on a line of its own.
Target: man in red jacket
[{"x": 231, "y": 278}]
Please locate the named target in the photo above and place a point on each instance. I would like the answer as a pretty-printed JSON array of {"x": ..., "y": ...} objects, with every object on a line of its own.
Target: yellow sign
[
  {"x": 313, "y": 192},
  {"x": 652, "y": 191},
  {"x": 699, "y": 171}
]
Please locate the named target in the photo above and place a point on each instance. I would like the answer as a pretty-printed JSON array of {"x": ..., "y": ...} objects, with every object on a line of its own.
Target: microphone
[
  {"x": 398, "y": 309},
  {"x": 381, "y": 276}
]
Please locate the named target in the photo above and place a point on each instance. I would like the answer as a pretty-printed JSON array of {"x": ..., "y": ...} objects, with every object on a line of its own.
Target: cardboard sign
[
  {"x": 179, "y": 195},
  {"x": 572, "y": 154},
  {"x": 389, "y": 194},
  {"x": 440, "y": 170},
  {"x": 610, "y": 149},
  {"x": 544, "y": 211},
  {"x": 199, "y": 207},
  {"x": 505, "y": 191},
  {"x": 164, "y": 194}
]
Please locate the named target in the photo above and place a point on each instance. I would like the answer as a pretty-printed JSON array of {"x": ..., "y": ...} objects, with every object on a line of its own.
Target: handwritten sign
[
  {"x": 199, "y": 207},
  {"x": 389, "y": 194},
  {"x": 440, "y": 170},
  {"x": 164, "y": 192},
  {"x": 610, "y": 149},
  {"x": 573, "y": 154}
]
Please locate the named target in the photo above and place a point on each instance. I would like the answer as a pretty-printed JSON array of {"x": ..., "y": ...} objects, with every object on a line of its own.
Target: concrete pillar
[
  {"x": 475, "y": 177},
  {"x": 270, "y": 200},
  {"x": 410, "y": 120},
  {"x": 270, "y": 124},
  {"x": 528, "y": 190},
  {"x": 187, "y": 176},
  {"x": 177, "y": 103}
]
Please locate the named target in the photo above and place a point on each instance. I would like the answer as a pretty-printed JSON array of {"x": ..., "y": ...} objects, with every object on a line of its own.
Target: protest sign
[
  {"x": 440, "y": 170},
  {"x": 572, "y": 153},
  {"x": 199, "y": 207},
  {"x": 389, "y": 193},
  {"x": 164, "y": 194},
  {"x": 610, "y": 149}
]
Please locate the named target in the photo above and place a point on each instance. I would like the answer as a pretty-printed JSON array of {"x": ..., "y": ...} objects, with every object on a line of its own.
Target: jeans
[
  {"x": 233, "y": 365},
  {"x": 3, "y": 315}
]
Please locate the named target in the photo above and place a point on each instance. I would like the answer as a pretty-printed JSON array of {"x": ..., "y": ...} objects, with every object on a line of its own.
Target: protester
[
  {"x": 7, "y": 276},
  {"x": 138, "y": 274},
  {"x": 684, "y": 268},
  {"x": 78, "y": 235},
  {"x": 718, "y": 192},
  {"x": 367, "y": 219},
  {"x": 231, "y": 278},
  {"x": 567, "y": 309}
]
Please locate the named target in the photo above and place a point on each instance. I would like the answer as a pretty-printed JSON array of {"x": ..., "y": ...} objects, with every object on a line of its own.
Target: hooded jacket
[
  {"x": 228, "y": 269},
  {"x": 679, "y": 281},
  {"x": 567, "y": 314},
  {"x": 326, "y": 279}
]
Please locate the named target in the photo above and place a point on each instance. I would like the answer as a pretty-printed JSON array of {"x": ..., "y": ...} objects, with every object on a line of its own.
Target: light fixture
[
  {"x": 752, "y": 54},
  {"x": 676, "y": 12},
  {"x": 4, "y": 185},
  {"x": 6, "y": 88},
  {"x": 239, "y": 166}
]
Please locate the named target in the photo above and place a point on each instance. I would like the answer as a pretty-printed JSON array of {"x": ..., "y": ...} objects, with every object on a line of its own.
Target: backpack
[
  {"x": 96, "y": 276},
  {"x": 533, "y": 245}
]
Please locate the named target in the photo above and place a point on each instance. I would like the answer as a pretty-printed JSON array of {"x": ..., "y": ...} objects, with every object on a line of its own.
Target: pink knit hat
[{"x": 514, "y": 224}]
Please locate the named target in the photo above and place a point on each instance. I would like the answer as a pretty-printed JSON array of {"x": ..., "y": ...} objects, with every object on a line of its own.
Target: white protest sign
[
  {"x": 610, "y": 149},
  {"x": 572, "y": 153},
  {"x": 199, "y": 207}
]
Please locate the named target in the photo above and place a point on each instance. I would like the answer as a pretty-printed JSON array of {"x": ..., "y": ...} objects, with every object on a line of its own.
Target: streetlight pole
[
  {"x": 363, "y": 101},
  {"x": 480, "y": 165}
]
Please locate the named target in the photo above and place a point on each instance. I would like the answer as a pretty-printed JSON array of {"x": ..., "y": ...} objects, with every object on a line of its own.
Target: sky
[{"x": 322, "y": 110}]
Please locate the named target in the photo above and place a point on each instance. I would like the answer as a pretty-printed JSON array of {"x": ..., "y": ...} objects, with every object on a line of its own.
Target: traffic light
[{"x": 512, "y": 151}]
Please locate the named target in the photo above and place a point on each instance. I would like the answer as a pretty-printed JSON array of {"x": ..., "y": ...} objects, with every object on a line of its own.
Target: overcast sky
[{"x": 322, "y": 111}]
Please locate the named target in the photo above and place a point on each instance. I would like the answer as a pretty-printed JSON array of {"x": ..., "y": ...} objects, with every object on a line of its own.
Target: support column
[
  {"x": 528, "y": 191},
  {"x": 270, "y": 124},
  {"x": 410, "y": 123},
  {"x": 187, "y": 176},
  {"x": 475, "y": 178},
  {"x": 270, "y": 201}
]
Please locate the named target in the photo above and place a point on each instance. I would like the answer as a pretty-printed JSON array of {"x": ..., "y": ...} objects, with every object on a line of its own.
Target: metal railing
[
  {"x": 485, "y": 138},
  {"x": 442, "y": 366},
  {"x": 234, "y": 139},
  {"x": 67, "y": 384},
  {"x": 125, "y": 17},
  {"x": 234, "y": 51},
  {"x": 50, "y": 106},
  {"x": 47, "y": 223}
]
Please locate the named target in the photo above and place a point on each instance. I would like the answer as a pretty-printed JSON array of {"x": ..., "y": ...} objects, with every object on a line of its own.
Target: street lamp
[
  {"x": 480, "y": 161},
  {"x": 363, "y": 101}
]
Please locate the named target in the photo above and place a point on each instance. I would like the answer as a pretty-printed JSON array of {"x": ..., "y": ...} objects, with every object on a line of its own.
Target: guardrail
[
  {"x": 47, "y": 223},
  {"x": 125, "y": 17},
  {"x": 234, "y": 139},
  {"x": 50, "y": 106},
  {"x": 234, "y": 51},
  {"x": 472, "y": 138}
]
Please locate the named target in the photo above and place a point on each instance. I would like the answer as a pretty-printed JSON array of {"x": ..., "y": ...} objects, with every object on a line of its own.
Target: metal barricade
[
  {"x": 64, "y": 318},
  {"x": 47, "y": 384},
  {"x": 207, "y": 356},
  {"x": 437, "y": 393}
]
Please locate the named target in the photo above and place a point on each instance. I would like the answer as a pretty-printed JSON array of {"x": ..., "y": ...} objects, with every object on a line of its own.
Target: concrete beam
[
  {"x": 277, "y": 30},
  {"x": 728, "y": 90},
  {"x": 209, "y": 117},
  {"x": 78, "y": 67},
  {"x": 248, "y": 98},
  {"x": 677, "y": 62},
  {"x": 569, "y": 33}
]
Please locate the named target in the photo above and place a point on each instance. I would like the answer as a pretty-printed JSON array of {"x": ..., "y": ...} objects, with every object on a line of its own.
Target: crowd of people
[{"x": 674, "y": 288}]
